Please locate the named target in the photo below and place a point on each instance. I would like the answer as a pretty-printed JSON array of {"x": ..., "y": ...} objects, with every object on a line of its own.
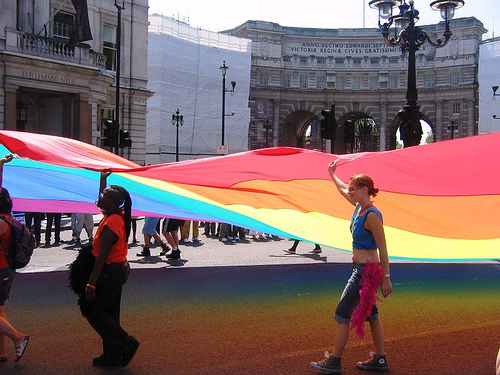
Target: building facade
[
  {"x": 298, "y": 72},
  {"x": 49, "y": 86}
]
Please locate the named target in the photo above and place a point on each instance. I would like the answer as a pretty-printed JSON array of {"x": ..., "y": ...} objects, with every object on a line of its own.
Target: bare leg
[
  {"x": 7, "y": 330},
  {"x": 378, "y": 336},
  {"x": 147, "y": 240},
  {"x": 175, "y": 238},
  {"x": 133, "y": 222},
  {"x": 157, "y": 239},
  {"x": 169, "y": 239},
  {"x": 341, "y": 337}
]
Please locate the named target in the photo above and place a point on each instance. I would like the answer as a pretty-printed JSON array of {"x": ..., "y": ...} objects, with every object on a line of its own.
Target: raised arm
[
  {"x": 341, "y": 186},
  {"x": 104, "y": 176},
  {"x": 7, "y": 158}
]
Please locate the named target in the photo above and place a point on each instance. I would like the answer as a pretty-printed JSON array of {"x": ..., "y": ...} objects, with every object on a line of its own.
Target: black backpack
[{"x": 21, "y": 245}]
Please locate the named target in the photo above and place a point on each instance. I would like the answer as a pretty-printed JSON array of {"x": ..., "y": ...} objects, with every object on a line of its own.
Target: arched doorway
[
  {"x": 360, "y": 133},
  {"x": 301, "y": 129}
]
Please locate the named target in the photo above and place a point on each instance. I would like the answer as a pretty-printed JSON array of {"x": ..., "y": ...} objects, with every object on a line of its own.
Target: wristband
[
  {"x": 387, "y": 275},
  {"x": 90, "y": 286}
]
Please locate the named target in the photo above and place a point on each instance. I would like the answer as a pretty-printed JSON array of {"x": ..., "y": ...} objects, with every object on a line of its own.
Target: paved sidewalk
[{"x": 209, "y": 253}]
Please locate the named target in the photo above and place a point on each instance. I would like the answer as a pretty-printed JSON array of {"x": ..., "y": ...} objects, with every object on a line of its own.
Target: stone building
[
  {"x": 51, "y": 87},
  {"x": 298, "y": 72}
]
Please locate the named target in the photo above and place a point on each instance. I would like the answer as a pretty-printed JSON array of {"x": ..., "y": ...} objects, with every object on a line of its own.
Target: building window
[
  {"x": 429, "y": 81},
  {"x": 375, "y": 61},
  {"x": 287, "y": 80},
  {"x": 356, "y": 83},
  {"x": 374, "y": 83},
  {"x": 339, "y": 61},
  {"x": 454, "y": 79},
  {"x": 393, "y": 82},
  {"x": 303, "y": 82},
  {"x": 263, "y": 79},
  {"x": 321, "y": 61},
  {"x": 287, "y": 59},
  {"x": 63, "y": 25},
  {"x": 455, "y": 109},
  {"x": 393, "y": 60},
  {"x": 340, "y": 83},
  {"x": 321, "y": 82},
  {"x": 356, "y": 61},
  {"x": 304, "y": 60},
  {"x": 109, "y": 46}
]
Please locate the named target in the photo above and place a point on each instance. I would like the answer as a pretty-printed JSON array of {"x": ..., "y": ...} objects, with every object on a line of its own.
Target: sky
[{"x": 213, "y": 16}]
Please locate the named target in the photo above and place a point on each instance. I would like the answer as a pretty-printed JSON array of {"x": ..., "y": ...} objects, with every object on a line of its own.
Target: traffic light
[
  {"x": 125, "y": 140},
  {"x": 325, "y": 128},
  {"x": 328, "y": 124},
  {"x": 109, "y": 139}
]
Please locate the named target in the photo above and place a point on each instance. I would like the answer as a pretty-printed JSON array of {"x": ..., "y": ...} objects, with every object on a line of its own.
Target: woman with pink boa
[{"x": 369, "y": 272}]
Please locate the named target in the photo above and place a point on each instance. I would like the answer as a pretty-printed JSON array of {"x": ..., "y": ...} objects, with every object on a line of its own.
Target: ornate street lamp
[
  {"x": 176, "y": 120},
  {"x": 410, "y": 38},
  {"x": 223, "y": 70}
]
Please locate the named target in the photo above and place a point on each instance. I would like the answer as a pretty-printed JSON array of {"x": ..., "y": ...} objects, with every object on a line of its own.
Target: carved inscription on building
[
  {"x": 340, "y": 48},
  {"x": 49, "y": 77}
]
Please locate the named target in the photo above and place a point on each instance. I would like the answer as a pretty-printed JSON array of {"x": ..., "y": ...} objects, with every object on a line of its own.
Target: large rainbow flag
[{"x": 440, "y": 201}]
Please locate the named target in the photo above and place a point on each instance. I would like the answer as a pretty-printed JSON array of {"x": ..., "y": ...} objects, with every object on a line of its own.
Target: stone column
[
  {"x": 438, "y": 126},
  {"x": 10, "y": 120},
  {"x": 276, "y": 123},
  {"x": 83, "y": 120},
  {"x": 383, "y": 127},
  {"x": 470, "y": 118}
]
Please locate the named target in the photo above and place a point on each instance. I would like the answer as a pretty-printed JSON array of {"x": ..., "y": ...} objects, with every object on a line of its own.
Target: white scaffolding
[
  {"x": 489, "y": 76},
  {"x": 184, "y": 74}
]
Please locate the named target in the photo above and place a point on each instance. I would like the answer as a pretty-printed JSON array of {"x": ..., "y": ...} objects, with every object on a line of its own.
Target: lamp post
[
  {"x": 176, "y": 120},
  {"x": 118, "y": 61},
  {"x": 410, "y": 38},
  {"x": 452, "y": 128},
  {"x": 267, "y": 128},
  {"x": 223, "y": 70}
]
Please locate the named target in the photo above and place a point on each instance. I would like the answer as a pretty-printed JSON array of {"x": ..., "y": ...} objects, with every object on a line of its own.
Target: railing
[
  {"x": 53, "y": 48},
  {"x": 45, "y": 46}
]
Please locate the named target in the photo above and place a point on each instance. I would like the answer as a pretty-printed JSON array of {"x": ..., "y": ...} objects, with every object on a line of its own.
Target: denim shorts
[
  {"x": 150, "y": 225},
  {"x": 350, "y": 297},
  {"x": 6, "y": 278}
]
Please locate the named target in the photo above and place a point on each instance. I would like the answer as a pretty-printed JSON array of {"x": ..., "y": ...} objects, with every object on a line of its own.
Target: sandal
[{"x": 22, "y": 347}]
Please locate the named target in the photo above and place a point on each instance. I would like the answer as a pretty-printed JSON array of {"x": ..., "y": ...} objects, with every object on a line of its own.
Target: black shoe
[
  {"x": 130, "y": 352},
  {"x": 164, "y": 249},
  {"x": 100, "y": 362},
  {"x": 176, "y": 254},
  {"x": 331, "y": 365},
  {"x": 144, "y": 253},
  {"x": 377, "y": 363}
]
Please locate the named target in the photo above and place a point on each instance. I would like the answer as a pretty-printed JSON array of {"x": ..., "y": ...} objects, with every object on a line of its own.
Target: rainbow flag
[{"x": 439, "y": 201}]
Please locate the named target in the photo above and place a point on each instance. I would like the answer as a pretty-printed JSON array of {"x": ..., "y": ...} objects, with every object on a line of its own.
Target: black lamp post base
[{"x": 409, "y": 125}]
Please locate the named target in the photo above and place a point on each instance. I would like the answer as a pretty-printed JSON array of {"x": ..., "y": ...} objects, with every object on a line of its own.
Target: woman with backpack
[{"x": 19, "y": 339}]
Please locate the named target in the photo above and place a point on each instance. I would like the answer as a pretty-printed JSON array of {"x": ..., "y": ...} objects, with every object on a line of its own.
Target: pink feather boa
[{"x": 370, "y": 282}]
